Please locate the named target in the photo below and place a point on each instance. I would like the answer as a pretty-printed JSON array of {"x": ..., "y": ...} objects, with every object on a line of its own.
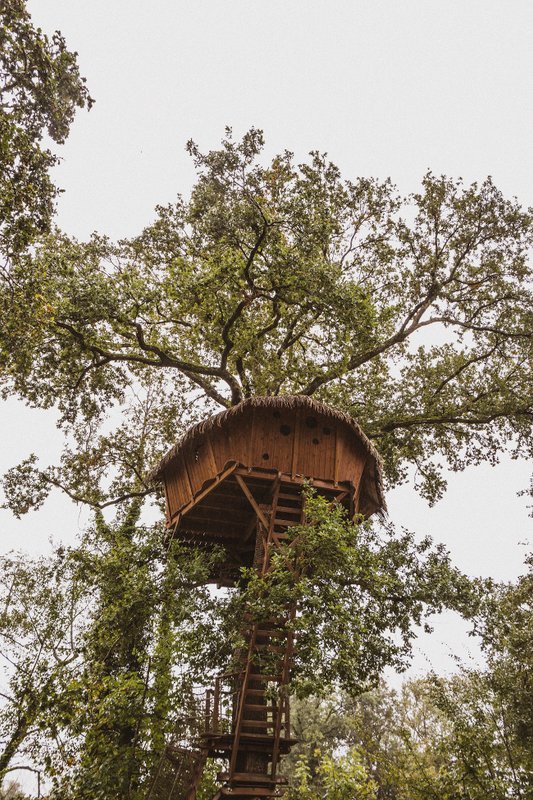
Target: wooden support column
[{"x": 249, "y": 496}]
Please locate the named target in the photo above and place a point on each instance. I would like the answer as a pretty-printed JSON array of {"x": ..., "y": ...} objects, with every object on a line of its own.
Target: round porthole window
[
  {"x": 311, "y": 422},
  {"x": 285, "y": 430},
  {"x": 265, "y": 456}
]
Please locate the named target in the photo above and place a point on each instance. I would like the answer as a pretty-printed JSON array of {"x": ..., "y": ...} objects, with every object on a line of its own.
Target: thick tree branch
[
  {"x": 462, "y": 368},
  {"x": 411, "y": 324},
  {"x": 191, "y": 371},
  {"x": 113, "y": 502},
  {"x": 253, "y": 252},
  {"x": 455, "y": 419}
]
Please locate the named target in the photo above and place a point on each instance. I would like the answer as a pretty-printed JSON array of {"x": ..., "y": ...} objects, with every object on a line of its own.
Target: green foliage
[
  {"x": 467, "y": 737},
  {"x": 320, "y": 725},
  {"x": 413, "y": 314},
  {"x": 481, "y": 749},
  {"x": 139, "y": 648},
  {"x": 506, "y": 629},
  {"x": 109, "y": 698},
  {"x": 42, "y": 607},
  {"x": 102, "y": 651},
  {"x": 341, "y": 777},
  {"x": 358, "y": 589},
  {"x": 209, "y": 785},
  {"x": 127, "y": 631},
  {"x": 40, "y": 89},
  {"x": 489, "y": 712}
]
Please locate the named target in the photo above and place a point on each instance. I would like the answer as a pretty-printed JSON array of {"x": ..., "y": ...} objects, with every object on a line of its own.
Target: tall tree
[
  {"x": 280, "y": 279},
  {"x": 40, "y": 89},
  {"x": 414, "y": 314},
  {"x": 436, "y": 739},
  {"x": 138, "y": 644}
]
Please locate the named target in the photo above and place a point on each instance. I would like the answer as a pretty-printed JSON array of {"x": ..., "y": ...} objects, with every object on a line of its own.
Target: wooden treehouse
[{"x": 236, "y": 480}]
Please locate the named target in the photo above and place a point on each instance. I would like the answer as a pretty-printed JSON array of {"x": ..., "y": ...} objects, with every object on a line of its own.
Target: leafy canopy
[
  {"x": 414, "y": 314},
  {"x": 40, "y": 89}
]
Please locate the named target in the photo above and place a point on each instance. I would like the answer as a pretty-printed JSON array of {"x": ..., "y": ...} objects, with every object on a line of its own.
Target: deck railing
[{"x": 220, "y": 706}]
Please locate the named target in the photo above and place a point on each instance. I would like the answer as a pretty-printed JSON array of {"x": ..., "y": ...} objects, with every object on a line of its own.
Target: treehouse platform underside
[{"x": 227, "y": 509}]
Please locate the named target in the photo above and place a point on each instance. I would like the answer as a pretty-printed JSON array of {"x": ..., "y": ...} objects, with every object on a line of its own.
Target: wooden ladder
[{"x": 260, "y": 715}]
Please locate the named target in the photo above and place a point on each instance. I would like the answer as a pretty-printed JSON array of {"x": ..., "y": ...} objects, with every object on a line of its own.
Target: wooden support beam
[
  {"x": 296, "y": 443},
  {"x": 250, "y": 529},
  {"x": 261, "y": 517},
  {"x": 204, "y": 492},
  {"x": 340, "y": 497},
  {"x": 287, "y": 478},
  {"x": 335, "y": 457}
]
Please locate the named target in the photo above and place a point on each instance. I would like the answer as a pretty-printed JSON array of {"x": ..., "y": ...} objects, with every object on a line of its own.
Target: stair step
[
  {"x": 286, "y": 522},
  {"x": 251, "y": 777},
  {"x": 248, "y": 616},
  {"x": 257, "y": 723},
  {"x": 258, "y": 707},
  {"x": 271, "y": 633},
  {"x": 250, "y": 791},
  {"x": 269, "y": 629},
  {"x": 289, "y": 496}
]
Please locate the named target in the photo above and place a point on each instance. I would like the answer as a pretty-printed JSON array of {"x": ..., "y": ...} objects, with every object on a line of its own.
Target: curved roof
[{"x": 372, "y": 479}]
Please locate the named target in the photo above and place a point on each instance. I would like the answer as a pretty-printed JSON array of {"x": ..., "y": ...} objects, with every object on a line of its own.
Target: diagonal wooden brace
[{"x": 249, "y": 496}]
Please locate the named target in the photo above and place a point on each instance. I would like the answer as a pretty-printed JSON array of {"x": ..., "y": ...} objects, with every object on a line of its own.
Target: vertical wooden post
[
  {"x": 208, "y": 710},
  {"x": 216, "y": 704}
]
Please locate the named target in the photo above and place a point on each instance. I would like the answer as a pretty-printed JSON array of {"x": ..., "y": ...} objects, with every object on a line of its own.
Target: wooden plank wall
[{"x": 289, "y": 440}]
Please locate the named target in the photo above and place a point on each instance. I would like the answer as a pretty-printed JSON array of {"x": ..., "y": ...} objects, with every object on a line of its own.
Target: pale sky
[{"x": 386, "y": 87}]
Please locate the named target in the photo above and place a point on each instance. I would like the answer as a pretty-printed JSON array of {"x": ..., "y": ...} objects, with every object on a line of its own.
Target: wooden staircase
[{"x": 261, "y": 720}]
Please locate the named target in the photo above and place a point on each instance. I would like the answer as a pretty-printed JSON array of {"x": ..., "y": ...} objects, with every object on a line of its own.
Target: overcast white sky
[{"x": 386, "y": 87}]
